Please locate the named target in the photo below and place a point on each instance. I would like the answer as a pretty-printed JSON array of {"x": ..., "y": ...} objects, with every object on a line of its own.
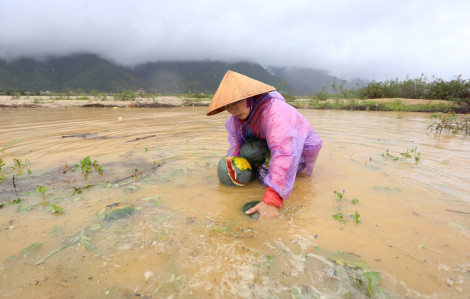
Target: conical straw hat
[{"x": 235, "y": 87}]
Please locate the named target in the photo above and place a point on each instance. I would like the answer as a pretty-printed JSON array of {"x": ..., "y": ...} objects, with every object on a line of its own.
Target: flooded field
[{"x": 187, "y": 237}]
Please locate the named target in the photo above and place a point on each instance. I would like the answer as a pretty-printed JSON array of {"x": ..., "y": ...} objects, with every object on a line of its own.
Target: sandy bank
[
  {"x": 158, "y": 102},
  {"x": 53, "y": 102},
  {"x": 389, "y": 100}
]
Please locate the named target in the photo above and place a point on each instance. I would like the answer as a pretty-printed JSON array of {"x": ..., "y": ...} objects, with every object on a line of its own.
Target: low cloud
[{"x": 361, "y": 39}]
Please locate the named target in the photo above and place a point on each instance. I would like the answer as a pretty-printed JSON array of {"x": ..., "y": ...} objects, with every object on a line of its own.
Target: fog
[{"x": 350, "y": 39}]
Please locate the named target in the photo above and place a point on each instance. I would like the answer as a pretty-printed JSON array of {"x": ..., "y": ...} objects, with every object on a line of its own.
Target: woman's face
[{"x": 238, "y": 109}]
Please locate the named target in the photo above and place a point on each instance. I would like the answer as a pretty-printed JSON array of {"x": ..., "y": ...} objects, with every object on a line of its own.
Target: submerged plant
[
  {"x": 87, "y": 166},
  {"x": 340, "y": 195},
  {"x": 356, "y": 218},
  {"x": 18, "y": 200},
  {"x": 80, "y": 239},
  {"x": 408, "y": 154},
  {"x": 9, "y": 145},
  {"x": 339, "y": 217},
  {"x": 20, "y": 166},
  {"x": 412, "y": 153},
  {"x": 56, "y": 210},
  {"x": 41, "y": 190},
  {"x": 78, "y": 190},
  {"x": 387, "y": 155},
  {"x": 449, "y": 121}
]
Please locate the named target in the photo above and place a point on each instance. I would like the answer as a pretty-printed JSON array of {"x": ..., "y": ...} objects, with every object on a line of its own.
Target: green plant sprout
[
  {"x": 41, "y": 190},
  {"x": 340, "y": 195},
  {"x": 270, "y": 258},
  {"x": 78, "y": 190},
  {"x": 416, "y": 155},
  {"x": 355, "y": 201},
  {"x": 409, "y": 154},
  {"x": 88, "y": 166},
  {"x": 356, "y": 218},
  {"x": 339, "y": 217},
  {"x": 17, "y": 162},
  {"x": 21, "y": 166},
  {"x": 387, "y": 155},
  {"x": 56, "y": 210}
]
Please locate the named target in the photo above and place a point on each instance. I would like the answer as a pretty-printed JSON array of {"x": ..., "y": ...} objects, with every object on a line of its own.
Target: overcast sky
[{"x": 368, "y": 39}]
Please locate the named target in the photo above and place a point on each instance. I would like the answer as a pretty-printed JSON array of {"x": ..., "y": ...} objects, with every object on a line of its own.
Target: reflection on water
[{"x": 188, "y": 237}]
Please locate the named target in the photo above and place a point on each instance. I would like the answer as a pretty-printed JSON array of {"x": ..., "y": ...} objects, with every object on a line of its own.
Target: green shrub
[
  {"x": 126, "y": 95},
  {"x": 318, "y": 96},
  {"x": 288, "y": 97},
  {"x": 457, "y": 89}
]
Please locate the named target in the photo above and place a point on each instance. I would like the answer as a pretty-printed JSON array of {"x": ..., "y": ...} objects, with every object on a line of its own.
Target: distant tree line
[{"x": 456, "y": 90}]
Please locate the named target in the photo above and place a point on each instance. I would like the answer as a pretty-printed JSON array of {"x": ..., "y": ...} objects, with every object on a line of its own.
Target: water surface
[{"x": 177, "y": 244}]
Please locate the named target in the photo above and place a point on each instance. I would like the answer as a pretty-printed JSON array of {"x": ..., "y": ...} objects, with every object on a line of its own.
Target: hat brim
[{"x": 235, "y": 87}]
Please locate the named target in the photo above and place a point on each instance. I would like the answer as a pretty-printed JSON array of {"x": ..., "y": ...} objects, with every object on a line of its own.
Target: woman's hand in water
[{"x": 265, "y": 211}]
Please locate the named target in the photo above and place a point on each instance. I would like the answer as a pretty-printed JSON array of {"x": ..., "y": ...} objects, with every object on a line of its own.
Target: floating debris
[{"x": 141, "y": 138}]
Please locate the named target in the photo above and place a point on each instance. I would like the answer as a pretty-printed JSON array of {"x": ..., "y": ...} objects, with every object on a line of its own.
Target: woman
[{"x": 257, "y": 110}]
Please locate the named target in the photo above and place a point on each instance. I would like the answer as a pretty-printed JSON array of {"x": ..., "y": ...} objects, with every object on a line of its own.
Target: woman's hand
[{"x": 265, "y": 211}]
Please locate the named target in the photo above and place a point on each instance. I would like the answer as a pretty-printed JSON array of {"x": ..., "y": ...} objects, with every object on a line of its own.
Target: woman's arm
[
  {"x": 285, "y": 134},
  {"x": 234, "y": 137}
]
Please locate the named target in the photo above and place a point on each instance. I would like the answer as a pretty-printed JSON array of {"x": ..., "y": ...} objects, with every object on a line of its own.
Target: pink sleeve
[
  {"x": 285, "y": 133},
  {"x": 235, "y": 138}
]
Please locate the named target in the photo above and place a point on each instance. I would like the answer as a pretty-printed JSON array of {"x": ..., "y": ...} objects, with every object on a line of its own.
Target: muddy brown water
[{"x": 176, "y": 245}]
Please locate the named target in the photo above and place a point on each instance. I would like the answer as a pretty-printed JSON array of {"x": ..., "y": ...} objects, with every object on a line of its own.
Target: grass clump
[
  {"x": 87, "y": 166},
  {"x": 411, "y": 153},
  {"x": 126, "y": 95}
]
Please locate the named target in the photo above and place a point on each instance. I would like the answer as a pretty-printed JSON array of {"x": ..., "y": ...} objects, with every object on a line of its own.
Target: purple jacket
[{"x": 290, "y": 137}]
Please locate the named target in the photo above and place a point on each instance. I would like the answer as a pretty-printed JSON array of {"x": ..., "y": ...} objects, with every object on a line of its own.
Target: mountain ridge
[{"x": 91, "y": 72}]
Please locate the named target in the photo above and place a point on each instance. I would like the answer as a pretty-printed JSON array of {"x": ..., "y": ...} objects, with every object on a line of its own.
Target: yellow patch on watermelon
[{"x": 241, "y": 163}]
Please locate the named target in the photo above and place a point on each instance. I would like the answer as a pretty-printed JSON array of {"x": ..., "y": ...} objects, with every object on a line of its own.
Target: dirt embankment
[
  {"x": 175, "y": 101},
  {"x": 53, "y": 102}
]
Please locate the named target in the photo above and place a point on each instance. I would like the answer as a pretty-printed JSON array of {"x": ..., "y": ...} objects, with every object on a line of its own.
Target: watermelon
[
  {"x": 254, "y": 150},
  {"x": 250, "y": 205},
  {"x": 115, "y": 211},
  {"x": 234, "y": 171}
]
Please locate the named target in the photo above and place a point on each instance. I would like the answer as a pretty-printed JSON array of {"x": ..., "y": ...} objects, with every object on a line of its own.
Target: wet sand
[{"x": 50, "y": 102}]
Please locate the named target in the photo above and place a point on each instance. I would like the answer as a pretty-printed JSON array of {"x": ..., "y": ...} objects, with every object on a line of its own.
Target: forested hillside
[{"x": 89, "y": 72}]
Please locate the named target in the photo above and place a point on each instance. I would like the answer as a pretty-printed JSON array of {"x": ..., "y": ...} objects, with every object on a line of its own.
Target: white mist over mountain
[{"x": 349, "y": 39}]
